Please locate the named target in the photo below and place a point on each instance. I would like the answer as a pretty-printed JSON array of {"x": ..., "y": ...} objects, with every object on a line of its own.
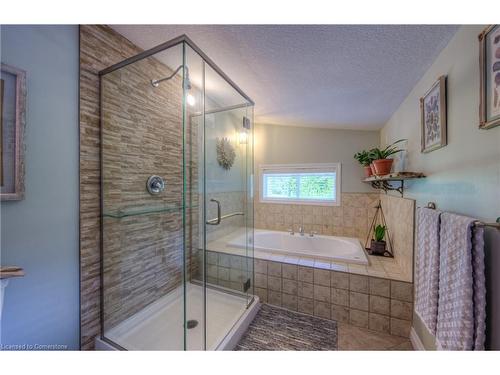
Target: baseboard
[{"x": 415, "y": 340}]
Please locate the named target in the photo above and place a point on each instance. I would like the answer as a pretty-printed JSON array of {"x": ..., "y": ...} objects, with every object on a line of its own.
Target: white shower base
[{"x": 159, "y": 326}]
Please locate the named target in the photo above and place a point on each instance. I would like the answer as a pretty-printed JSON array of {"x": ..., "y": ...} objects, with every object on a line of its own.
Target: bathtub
[{"x": 332, "y": 248}]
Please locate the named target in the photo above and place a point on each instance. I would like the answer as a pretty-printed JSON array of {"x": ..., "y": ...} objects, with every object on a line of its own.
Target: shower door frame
[{"x": 185, "y": 40}]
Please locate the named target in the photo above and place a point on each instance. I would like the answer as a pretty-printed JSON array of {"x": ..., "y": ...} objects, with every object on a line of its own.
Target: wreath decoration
[{"x": 225, "y": 153}]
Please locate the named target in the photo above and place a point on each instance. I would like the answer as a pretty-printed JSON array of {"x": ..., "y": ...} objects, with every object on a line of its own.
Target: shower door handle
[{"x": 218, "y": 220}]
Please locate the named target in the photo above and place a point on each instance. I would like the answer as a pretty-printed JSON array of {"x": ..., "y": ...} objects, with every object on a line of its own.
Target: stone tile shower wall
[
  {"x": 143, "y": 252},
  {"x": 351, "y": 219},
  {"x": 142, "y": 134},
  {"x": 100, "y": 47}
]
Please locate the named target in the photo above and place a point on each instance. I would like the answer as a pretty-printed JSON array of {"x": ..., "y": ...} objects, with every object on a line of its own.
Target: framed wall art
[
  {"x": 12, "y": 125},
  {"x": 489, "y": 70},
  {"x": 433, "y": 116}
]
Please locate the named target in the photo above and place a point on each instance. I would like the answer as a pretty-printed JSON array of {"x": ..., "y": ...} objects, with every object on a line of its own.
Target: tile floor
[
  {"x": 271, "y": 332},
  {"x": 355, "y": 338}
]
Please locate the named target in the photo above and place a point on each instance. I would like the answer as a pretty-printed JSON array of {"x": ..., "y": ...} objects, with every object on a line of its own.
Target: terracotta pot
[
  {"x": 372, "y": 167},
  {"x": 377, "y": 247},
  {"x": 368, "y": 171},
  {"x": 383, "y": 166}
]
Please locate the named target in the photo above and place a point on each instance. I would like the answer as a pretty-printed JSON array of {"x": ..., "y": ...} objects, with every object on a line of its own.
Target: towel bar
[{"x": 477, "y": 223}]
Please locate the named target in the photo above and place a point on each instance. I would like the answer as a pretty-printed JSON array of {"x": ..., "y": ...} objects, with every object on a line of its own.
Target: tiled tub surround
[
  {"x": 321, "y": 289},
  {"x": 351, "y": 219},
  {"x": 400, "y": 217},
  {"x": 369, "y": 302}
]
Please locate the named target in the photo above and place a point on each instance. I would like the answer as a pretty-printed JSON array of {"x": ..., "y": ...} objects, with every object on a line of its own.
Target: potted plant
[
  {"x": 378, "y": 243},
  {"x": 381, "y": 162},
  {"x": 363, "y": 157}
]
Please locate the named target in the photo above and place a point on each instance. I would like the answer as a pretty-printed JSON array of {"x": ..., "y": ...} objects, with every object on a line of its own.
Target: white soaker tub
[{"x": 332, "y": 248}]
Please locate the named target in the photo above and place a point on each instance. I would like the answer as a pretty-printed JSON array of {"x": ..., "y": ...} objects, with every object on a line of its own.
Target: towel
[
  {"x": 427, "y": 267},
  {"x": 462, "y": 290}
]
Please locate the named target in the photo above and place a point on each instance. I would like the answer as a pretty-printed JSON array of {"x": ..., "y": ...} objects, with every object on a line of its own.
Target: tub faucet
[
  {"x": 301, "y": 231},
  {"x": 290, "y": 230},
  {"x": 312, "y": 233}
]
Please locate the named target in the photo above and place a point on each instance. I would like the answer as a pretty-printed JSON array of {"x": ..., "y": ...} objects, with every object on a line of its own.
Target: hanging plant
[{"x": 225, "y": 153}]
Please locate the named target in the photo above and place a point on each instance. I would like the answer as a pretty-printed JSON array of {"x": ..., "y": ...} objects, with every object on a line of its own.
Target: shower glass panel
[{"x": 177, "y": 201}]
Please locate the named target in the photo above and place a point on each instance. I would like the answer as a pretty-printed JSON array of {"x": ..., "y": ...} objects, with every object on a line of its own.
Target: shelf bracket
[{"x": 386, "y": 186}]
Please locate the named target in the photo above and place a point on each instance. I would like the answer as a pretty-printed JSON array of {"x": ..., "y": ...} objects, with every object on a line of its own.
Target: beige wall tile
[
  {"x": 322, "y": 293},
  {"x": 223, "y": 273},
  {"x": 289, "y": 286},
  {"x": 305, "y": 305},
  {"x": 274, "y": 283},
  {"x": 260, "y": 280},
  {"x": 340, "y": 280},
  {"x": 379, "y": 323},
  {"x": 289, "y": 271},
  {"x": 358, "y": 318},
  {"x": 401, "y": 310},
  {"x": 289, "y": 301},
  {"x": 305, "y": 289},
  {"x": 260, "y": 266},
  {"x": 380, "y": 287},
  {"x": 322, "y": 309},
  {"x": 340, "y": 313},
  {"x": 322, "y": 277},
  {"x": 402, "y": 291},
  {"x": 274, "y": 269},
  {"x": 358, "y": 301},
  {"x": 306, "y": 274},
  {"x": 380, "y": 305},
  {"x": 400, "y": 215},
  {"x": 400, "y": 327},
  {"x": 340, "y": 297},
  {"x": 261, "y": 293},
  {"x": 358, "y": 283},
  {"x": 274, "y": 297}
]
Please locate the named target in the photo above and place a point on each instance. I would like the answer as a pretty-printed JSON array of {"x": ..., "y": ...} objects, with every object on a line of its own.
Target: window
[{"x": 301, "y": 184}]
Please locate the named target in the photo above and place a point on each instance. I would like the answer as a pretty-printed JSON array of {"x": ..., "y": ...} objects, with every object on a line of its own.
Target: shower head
[{"x": 186, "y": 84}]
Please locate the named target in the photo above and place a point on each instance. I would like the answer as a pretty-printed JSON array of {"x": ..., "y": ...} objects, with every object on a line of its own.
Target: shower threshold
[{"x": 160, "y": 325}]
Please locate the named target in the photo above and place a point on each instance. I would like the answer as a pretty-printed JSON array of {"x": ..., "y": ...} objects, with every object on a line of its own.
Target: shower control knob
[{"x": 155, "y": 185}]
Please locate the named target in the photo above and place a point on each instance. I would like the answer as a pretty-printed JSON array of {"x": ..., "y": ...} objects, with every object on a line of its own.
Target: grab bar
[{"x": 218, "y": 219}]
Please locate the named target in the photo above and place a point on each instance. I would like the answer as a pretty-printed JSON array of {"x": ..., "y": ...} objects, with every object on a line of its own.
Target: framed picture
[
  {"x": 12, "y": 124},
  {"x": 433, "y": 116},
  {"x": 489, "y": 70}
]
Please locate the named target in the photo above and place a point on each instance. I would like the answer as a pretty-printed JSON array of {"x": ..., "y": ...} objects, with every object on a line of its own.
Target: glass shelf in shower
[{"x": 136, "y": 211}]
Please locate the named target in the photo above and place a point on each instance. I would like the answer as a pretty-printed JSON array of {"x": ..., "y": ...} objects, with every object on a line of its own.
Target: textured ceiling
[{"x": 335, "y": 76}]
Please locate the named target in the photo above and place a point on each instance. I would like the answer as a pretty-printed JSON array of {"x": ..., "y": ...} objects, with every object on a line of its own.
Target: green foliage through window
[{"x": 300, "y": 186}]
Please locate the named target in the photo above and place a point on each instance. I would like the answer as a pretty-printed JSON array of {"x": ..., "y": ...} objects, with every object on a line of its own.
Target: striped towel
[
  {"x": 427, "y": 267},
  {"x": 462, "y": 290}
]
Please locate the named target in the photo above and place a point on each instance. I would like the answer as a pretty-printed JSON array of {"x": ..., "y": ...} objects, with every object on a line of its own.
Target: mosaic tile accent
[{"x": 279, "y": 329}]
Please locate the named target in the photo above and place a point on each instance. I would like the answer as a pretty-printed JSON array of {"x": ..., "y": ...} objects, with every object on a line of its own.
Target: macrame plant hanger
[{"x": 388, "y": 251}]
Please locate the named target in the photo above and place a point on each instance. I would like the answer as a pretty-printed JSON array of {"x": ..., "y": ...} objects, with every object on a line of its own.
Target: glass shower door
[{"x": 228, "y": 166}]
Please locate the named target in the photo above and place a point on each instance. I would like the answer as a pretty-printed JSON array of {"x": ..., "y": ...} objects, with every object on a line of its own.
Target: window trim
[{"x": 287, "y": 168}]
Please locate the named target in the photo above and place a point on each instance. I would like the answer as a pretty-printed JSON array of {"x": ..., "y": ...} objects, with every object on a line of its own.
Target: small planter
[
  {"x": 368, "y": 171},
  {"x": 378, "y": 247},
  {"x": 382, "y": 166}
]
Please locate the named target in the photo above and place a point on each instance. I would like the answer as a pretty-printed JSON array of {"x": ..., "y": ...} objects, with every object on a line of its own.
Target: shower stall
[{"x": 176, "y": 179}]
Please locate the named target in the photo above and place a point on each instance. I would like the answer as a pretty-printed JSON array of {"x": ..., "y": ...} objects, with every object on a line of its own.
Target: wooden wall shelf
[
  {"x": 11, "y": 271},
  {"x": 384, "y": 182}
]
